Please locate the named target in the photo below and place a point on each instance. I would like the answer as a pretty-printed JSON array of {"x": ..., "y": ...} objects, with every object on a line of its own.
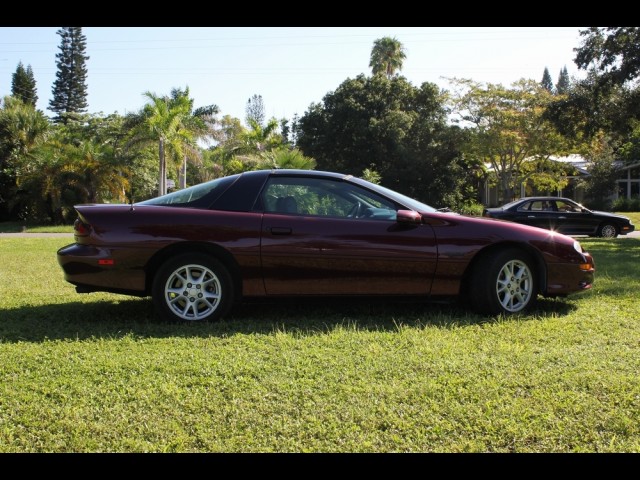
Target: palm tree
[
  {"x": 284, "y": 157},
  {"x": 262, "y": 138},
  {"x": 387, "y": 56},
  {"x": 22, "y": 130},
  {"x": 198, "y": 125},
  {"x": 159, "y": 123},
  {"x": 172, "y": 122}
]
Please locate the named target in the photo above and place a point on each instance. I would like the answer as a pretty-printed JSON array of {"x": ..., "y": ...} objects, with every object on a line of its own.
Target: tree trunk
[
  {"x": 183, "y": 173},
  {"x": 162, "y": 179}
]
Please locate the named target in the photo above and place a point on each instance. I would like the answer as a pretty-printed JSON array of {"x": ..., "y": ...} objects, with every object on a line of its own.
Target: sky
[{"x": 290, "y": 67}]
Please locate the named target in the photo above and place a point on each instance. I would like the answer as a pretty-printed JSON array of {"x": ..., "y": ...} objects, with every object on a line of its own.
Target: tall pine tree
[
  {"x": 546, "y": 82},
  {"x": 255, "y": 110},
  {"x": 23, "y": 85},
  {"x": 563, "y": 84},
  {"x": 70, "y": 88}
]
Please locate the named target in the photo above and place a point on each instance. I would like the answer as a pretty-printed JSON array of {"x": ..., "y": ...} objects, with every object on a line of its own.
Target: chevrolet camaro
[{"x": 303, "y": 233}]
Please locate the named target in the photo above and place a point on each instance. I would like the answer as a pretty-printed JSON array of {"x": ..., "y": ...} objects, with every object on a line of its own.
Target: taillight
[{"x": 80, "y": 228}]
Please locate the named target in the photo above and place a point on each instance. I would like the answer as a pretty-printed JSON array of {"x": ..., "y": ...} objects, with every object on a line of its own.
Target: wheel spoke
[
  {"x": 513, "y": 286},
  {"x": 193, "y": 292}
]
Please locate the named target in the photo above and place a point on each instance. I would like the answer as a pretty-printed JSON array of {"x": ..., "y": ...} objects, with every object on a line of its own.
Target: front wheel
[
  {"x": 607, "y": 230},
  {"x": 192, "y": 287},
  {"x": 503, "y": 282}
]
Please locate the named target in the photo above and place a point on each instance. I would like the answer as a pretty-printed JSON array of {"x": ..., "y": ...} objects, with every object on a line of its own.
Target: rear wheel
[
  {"x": 607, "y": 230},
  {"x": 192, "y": 287},
  {"x": 503, "y": 282}
]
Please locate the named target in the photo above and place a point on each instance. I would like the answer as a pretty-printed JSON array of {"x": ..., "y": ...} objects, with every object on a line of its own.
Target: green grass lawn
[
  {"x": 97, "y": 373},
  {"x": 15, "y": 227}
]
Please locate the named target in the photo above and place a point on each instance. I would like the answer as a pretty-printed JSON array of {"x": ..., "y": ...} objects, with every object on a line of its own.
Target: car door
[
  {"x": 573, "y": 219},
  {"x": 326, "y": 248},
  {"x": 537, "y": 213}
]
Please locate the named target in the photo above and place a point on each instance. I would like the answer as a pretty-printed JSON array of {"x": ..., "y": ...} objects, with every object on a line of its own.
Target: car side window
[
  {"x": 527, "y": 206},
  {"x": 541, "y": 206},
  {"x": 566, "y": 207},
  {"x": 324, "y": 197}
]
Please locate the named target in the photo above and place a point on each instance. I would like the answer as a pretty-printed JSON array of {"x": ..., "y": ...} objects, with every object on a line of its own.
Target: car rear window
[{"x": 198, "y": 196}]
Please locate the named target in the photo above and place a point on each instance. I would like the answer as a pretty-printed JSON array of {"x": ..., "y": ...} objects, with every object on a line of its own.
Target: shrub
[{"x": 626, "y": 204}]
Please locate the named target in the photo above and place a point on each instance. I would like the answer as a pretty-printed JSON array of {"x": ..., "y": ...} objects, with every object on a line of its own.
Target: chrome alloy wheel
[
  {"x": 192, "y": 292},
  {"x": 514, "y": 286}
]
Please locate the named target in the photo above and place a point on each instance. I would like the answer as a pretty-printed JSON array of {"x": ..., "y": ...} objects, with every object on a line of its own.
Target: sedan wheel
[
  {"x": 192, "y": 287},
  {"x": 503, "y": 283},
  {"x": 608, "y": 231}
]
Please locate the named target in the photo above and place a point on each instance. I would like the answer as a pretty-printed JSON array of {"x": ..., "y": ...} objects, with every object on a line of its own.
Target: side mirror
[{"x": 408, "y": 216}]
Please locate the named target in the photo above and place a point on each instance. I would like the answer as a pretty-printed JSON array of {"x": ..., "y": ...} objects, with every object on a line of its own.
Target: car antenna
[{"x": 131, "y": 209}]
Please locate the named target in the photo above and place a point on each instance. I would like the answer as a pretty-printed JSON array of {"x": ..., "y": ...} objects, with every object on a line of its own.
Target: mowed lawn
[{"x": 97, "y": 372}]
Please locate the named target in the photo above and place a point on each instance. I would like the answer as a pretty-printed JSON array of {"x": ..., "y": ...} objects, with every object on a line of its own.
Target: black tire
[
  {"x": 192, "y": 287},
  {"x": 607, "y": 230},
  {"x": 503, "y": 283}
]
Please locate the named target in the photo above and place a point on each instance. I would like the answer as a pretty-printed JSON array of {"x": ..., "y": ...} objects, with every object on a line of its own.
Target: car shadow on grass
[{"x": 135, "y": 317}]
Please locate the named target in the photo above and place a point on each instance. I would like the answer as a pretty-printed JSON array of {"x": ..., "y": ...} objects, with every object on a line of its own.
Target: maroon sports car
[{"x": 284, "y": 233}]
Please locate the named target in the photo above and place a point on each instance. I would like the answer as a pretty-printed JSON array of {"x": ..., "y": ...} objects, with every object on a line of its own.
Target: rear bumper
[{"x": 96, "y": 269}]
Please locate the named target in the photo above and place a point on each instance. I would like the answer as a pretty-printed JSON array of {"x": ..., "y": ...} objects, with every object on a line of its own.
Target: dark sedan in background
[
  {"x": 306, "y": 233},
  {"x": 562, "y": 215}
]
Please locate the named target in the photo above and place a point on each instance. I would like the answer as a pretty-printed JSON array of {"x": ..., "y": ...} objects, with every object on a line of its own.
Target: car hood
[
  {"x": 492, "y": 227},
  {"x": 609, "y": 214}
]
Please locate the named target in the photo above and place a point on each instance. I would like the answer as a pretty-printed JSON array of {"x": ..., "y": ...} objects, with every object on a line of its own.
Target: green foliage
[
  {"x": 237, "y": 165},
  {"x": 624, "y": 204},
  {"x": 23, "y": 129},
  {"x": 612, "y": 51},
  {"x": 509, "y": 129},
  {"x": 70, "y": 87},
  {"x": 387, "y": 56},
  {"x": 260, "y": 146},
  {"x": 172, "y": 123},
  {"x": 371, "y": 175},
  {"x": 564, "y": 83},
  {"x": 607, "y": 100},
  {"x": 601, "y": 182},
  {"x": 544, "y": 175},
  {"x": 23, "y": 85},
  {"x": 587, "y": 110},
  {"x": 546, "y": 82},
  {"x": 391, "y": 124},
  {"x": 629, "y": 150},
  {"x": 284, "y": 157},
  {"x": 210, "y": 167},
  {"x": 255, "y": 110},
  {"x": 470, "y": 208}
]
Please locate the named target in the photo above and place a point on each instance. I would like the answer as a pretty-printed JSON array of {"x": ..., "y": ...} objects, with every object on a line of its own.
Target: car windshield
[{"x": 403, "y": 199}]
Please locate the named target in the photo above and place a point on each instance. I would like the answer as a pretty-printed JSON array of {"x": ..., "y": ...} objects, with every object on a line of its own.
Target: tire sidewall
[{"x": 483, "y": 294}]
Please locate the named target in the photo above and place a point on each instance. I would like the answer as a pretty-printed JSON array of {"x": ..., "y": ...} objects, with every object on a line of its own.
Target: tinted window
[
  {"x": 324, "y": 197},
  {"x": 198, "y": 196},
  {"x": 242, "y": 195}
]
